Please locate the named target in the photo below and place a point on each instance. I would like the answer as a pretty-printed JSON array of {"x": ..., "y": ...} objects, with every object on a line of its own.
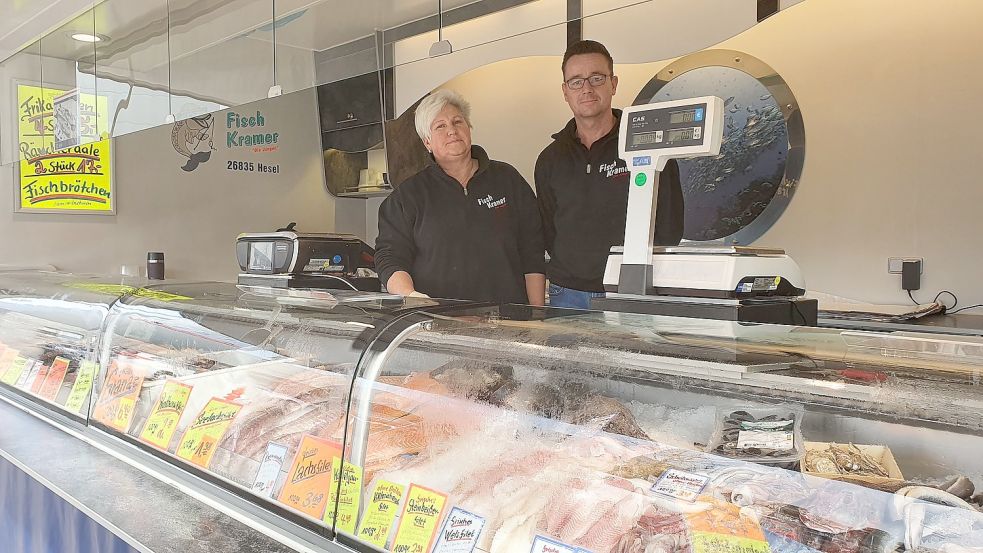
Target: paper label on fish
[
  {"x": 14, "y": 371},
  {"x": 723, "y": 528},
  {"x": 377, "y": 521},
  {"x": 350, "y": 497},
  {"x": 765, "y": 439},
  {"x": 310, "y": 477},
  {"x": 84, "y": 378},
  {"x": 54, "y": 379},
  {"x": 706, "y": 542},
  {"x": 680, "y": 484},
  {"x": 543, "y": 544},
  {"x": 418, "y": 522},
  {"x": 206, "y": 430},
  {"x": 276, "y": 455},
  {"x": 27, "y": 379},
  {"x": 117, "y": 399},
  {"x": 163, "y": 419},
  {"x": 460, "y": 532}
]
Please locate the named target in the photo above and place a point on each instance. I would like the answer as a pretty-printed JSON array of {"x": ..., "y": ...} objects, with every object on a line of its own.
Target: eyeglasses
[{"x": 595, "y": 80}]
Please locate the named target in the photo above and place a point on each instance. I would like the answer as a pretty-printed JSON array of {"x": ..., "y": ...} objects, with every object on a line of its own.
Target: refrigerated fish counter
[{"x": 352, "y": 421}]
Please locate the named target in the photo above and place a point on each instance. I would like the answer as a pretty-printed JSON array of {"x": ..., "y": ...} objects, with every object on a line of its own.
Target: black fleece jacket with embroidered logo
[
  {"x": 583, "y": 199},
  {"x": 476, "y": 243}
]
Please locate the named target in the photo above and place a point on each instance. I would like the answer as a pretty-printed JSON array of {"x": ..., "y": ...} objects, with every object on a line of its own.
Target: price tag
[
  {"x": 351, "y": 495},
  {"x": 460, "y": 532},
  {"x": 15, "y": 369},
  {"x": 6, "y": 362},
  {"x": 25, "y": 373},
  {"x": 83, "y": 385},
  {"x": 118, "y": 398},
  {"x": 269, "y": 471},
  {"x": 680, "y": 484},
  {"x": 199, "y": 440},
  {"x": 724, "y": 529},
  {"x": 54, "y": 379},
  {"x": 162, "y": 421},
  {"x": 543, "y": 544},
  {"x": 35, "y": 386},
  {"x": 309, "y": 480},
  {"x": 765, "y": 439},
  {"x": 418, "y": 521},
  {"x": 377, "y": 522}
]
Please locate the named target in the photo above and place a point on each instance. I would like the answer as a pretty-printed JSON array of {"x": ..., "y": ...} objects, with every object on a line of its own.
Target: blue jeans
[{"x": 570, "y": 298}]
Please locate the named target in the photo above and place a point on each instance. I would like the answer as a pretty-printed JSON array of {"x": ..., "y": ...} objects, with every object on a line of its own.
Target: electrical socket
[{"x": 895, "y": 264}]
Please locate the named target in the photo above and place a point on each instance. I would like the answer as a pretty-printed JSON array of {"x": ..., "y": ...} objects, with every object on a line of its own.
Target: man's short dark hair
[{"x": 586, "y": 47}]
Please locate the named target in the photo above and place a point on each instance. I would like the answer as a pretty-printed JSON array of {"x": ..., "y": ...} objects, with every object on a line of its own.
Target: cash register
[
  {"x": 290, "y": 259},
  {"x": 710, "y": 281}
]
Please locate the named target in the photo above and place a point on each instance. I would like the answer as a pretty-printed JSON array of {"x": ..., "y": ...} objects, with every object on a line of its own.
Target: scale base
[{"x": 773, "y": 310}]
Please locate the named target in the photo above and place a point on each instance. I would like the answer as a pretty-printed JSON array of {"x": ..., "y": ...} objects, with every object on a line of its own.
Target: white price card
[
  {"x": 460, "y": 532},
  {"x": 680, "y": 484},
  {"x": 273, "y": 461},
  {"x": 542, "y": 544}
]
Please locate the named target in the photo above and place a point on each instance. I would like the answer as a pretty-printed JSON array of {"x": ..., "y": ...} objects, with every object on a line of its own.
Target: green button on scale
[{"x": 641, "y": 179}]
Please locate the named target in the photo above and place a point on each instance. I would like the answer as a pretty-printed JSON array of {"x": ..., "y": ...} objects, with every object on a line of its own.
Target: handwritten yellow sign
[
  {"x": 201, "y": 437},
  {"x": 36, "y": 121},
  {"x": 377, "y": 522},
  {"x": 82, "y": 386},
  {"x": 14, "y": 370},
  {"x": 75, "y": 179},
  {"x": 418, "y": 521},
  {"x": 310, "y": 476},
  {"x": 118, "y": 397},
  {"x": 349, "y": 499},
  {"x": 163, "y": 419}
]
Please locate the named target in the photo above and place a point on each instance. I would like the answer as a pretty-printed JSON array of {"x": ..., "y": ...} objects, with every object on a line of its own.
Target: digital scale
[
  {"x": 706, "y": 281},
  {"x": 289, "y": 259}
]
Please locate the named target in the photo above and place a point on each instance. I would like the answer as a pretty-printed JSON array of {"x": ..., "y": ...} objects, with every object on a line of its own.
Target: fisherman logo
[
  {"x": 490, "y": 203},
  {"x": 612, "y": 169},
  {"x": 192, "y": 138}
]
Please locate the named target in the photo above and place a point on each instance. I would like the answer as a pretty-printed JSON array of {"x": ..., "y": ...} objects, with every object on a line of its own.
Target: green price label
[{"x": 641, "y": 179}]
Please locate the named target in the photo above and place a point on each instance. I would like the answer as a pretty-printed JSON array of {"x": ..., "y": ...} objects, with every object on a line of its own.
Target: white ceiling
[{"x": 25, "y": 20}]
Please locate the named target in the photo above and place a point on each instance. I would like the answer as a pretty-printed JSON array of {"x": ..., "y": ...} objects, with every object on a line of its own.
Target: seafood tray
[{"x": 872, "y": 465}]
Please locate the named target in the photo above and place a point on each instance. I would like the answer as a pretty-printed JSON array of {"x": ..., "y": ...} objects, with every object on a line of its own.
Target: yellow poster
[
  {"x": 418, "y": 522},
  {"x": 14, "y": 371},
  {"x": 36, "y": 121},
  {"x": 80, "y": 388},
  {"x": 76, "y": 179},
  {"x": 377, "y": 522},
  {"x": 350, "y": 497},
  {"x": 204, "y": 433},
  {"x": 166, "y": 413}
]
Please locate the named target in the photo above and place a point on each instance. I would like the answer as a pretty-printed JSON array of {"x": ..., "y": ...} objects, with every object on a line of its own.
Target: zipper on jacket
[{"x": 588, "y": 168}]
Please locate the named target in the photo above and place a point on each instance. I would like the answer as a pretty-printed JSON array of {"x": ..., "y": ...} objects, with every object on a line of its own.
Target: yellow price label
[
  {"x": 418, "y": 521},
  {"x": 349, "y": 498},
  {"x": 201, "y": 437},
  {"x": 82, "y": 386},
  {"x": 163, "y": 419},
  {"x": 377, "y": 522},
  {"x": 14, "y": 370}
]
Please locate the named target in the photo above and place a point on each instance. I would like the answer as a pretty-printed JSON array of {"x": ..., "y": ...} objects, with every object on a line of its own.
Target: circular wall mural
[{"x": 736, "y": 196}]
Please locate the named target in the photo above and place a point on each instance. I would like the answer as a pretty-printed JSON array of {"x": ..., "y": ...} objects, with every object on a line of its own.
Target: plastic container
[{"x": 768, "y": 435}]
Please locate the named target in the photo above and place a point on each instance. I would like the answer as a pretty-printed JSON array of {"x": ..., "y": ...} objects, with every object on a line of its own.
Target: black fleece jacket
[
  {"x": 475, "y": 244},
  {"x": 583, "y": 199}
]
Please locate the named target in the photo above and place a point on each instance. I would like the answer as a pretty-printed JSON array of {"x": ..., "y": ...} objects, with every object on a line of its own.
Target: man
[{"x": 582, "y": 184}]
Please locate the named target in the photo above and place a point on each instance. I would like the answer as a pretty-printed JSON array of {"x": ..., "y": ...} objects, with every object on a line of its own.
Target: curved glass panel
[{"x": 622, "y": 432}]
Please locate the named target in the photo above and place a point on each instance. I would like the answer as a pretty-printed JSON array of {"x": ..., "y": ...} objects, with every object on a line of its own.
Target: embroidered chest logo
[
  {"x": 490, "y": 203},
  {"x": 612, "y": 169}
]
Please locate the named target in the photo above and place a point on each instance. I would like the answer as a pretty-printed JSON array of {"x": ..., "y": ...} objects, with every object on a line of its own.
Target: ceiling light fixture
[
  {"x": 86, "y": 37},
  {"x": 441, "y": 47}
]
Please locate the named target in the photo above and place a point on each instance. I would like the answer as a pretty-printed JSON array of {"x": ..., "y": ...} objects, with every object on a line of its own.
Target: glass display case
[{"x": 389, "y": 424}]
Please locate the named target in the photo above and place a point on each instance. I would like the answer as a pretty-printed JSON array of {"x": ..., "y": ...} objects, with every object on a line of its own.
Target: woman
[{"x": 465, "y": 227}]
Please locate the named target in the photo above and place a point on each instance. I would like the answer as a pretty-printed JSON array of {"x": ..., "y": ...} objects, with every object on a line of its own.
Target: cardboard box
[{"x": 880, "y": 453}]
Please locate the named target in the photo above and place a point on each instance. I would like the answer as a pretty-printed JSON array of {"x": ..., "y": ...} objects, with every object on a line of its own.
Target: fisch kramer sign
[{"x": 73, "y": 180}]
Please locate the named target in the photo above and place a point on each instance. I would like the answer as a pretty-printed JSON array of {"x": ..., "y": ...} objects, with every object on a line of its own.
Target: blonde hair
[{"x": 430, "y": 106}]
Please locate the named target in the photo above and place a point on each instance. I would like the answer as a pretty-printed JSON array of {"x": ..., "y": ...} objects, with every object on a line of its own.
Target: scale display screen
[
  {"x": 261, "y": 256},
  {"x": 642, "y": 139},
  {"x": 687, "y": 116},
  {"x": 679, "y": 135}
]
